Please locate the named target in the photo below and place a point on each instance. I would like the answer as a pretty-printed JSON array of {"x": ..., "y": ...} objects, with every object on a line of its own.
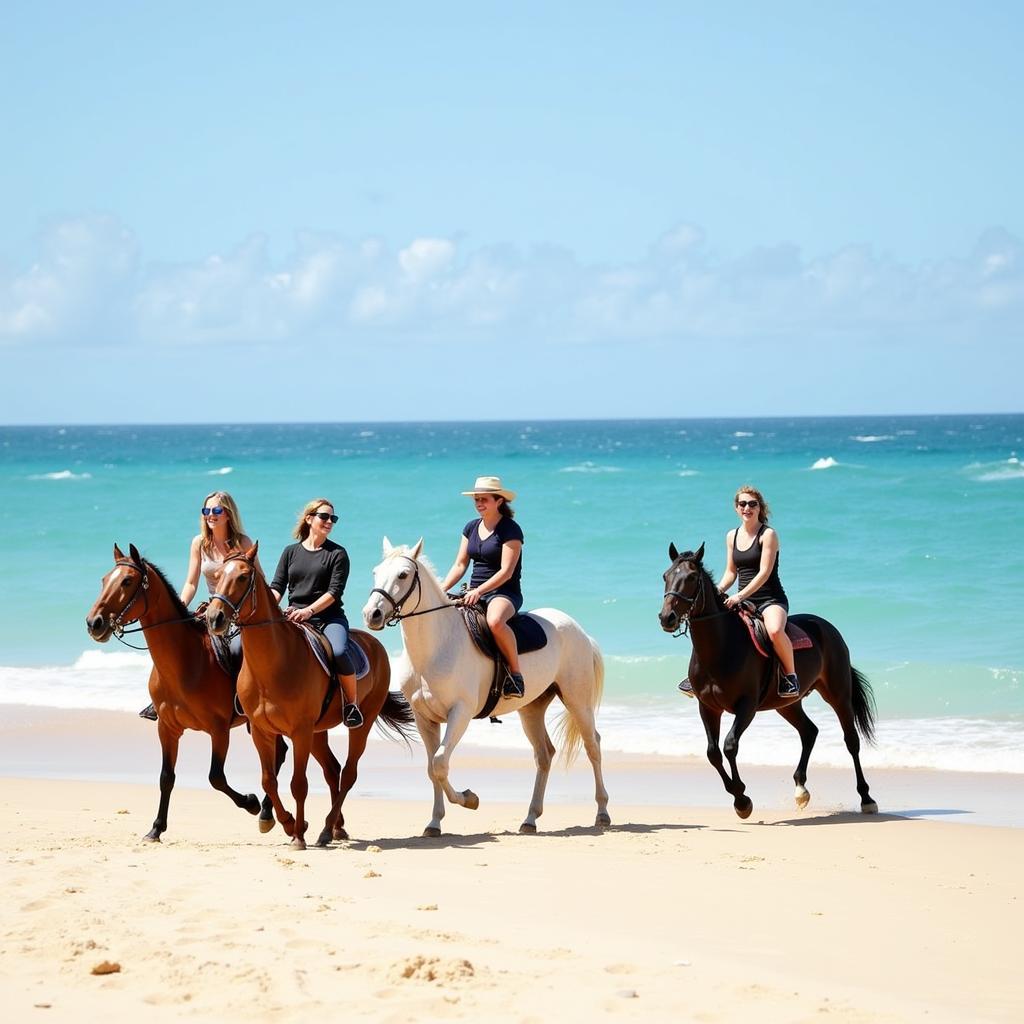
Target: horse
[
  {"x": 729, "y": 675},
  {"x": 285, "y": 691},
  {"x": 187, "y": 684},
  {"x": 446, "y": 680}
]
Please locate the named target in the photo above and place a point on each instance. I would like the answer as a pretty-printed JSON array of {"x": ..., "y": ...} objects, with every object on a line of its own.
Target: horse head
[
  {"x": 119, "y": 590},
  {"x": 396, "y": 583},
  {"x": 236, "y": 583},
  {"x": 684, "y": 582}
]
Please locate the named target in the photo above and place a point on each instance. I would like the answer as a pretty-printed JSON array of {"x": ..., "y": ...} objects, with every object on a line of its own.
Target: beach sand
[{"x": 679, "y": 912}]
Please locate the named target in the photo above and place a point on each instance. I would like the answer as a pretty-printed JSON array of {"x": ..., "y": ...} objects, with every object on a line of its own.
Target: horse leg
[
  {"x": 268, "y": 749},
  {"x": 219, "y": 749},
  {"x": 844, "y": 712},
  {"x": 585, "y": 725},
  {"x": 267, "y": 807},
  {"x": 430, "y": 733},
  {"x": 532, "y": 718},
  {"x": 356, "y": 746},
  {"x": 743, "y": 714},
  {"x": 169, "y": 749},
  {"x": 301, "y": 744},
  {"x": 712, "y": 719},
  {"x": 321, "y": 750},
  {"x": 459, "y": 717},
  {"x": 796, "y": 716}
]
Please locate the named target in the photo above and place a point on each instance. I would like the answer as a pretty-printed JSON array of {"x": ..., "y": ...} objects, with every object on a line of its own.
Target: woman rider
[
  {"x": 314, "y": 572},
  {"x": 494, "y": 543}
]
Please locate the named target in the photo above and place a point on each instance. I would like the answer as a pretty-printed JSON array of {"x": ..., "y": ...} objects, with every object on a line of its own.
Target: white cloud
[{"x": 88, "y": 285}]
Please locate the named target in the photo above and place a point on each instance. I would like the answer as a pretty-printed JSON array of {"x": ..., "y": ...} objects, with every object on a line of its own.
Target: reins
[
  {"x": 397, "y": 615},
  {"x": 685, "y": 618},
  {"x": 118, "y": 630}
]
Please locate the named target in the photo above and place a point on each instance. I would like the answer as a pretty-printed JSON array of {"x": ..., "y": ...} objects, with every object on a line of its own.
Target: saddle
[
  {"x": 529, "y": 634},
  {"x": 759, "y": 632}
]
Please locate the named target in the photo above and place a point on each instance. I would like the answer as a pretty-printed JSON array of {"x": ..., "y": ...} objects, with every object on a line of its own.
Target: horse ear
[
  {"x": 388, "y": 546},
  {"x": 134, "y": 552},
  {"x": 252, "y": 552},
  {"x": 118, "y": 554},
  {"x": 699, "y": 553},
  {"x": 416, "y": 549},
  {"x": 672, "y": 553}
]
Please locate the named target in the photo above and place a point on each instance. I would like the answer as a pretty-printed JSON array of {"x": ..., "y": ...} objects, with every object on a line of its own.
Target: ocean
[{"x": 896, "y": 528}]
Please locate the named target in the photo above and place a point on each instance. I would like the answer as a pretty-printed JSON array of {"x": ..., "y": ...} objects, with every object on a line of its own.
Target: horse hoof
[
  {"x": 526, "y": 829},
  {"x": 252, "y": 805},
  {"x": 802, "y": 797},
  {"x": 431, "y": 833},
  {"x": 743, "y": 807},
  {"x": 266, "y": 824},
  {"x": 602, "y": 820},
  {"x": 869, "y": 807},
  {"x": 324, "y": 839},
  {"x": 471, "y": 800},
  {"x": 151, "y": 837},
  {"x": 298, "y": 844},
  {"x": 340, "y": 835}
]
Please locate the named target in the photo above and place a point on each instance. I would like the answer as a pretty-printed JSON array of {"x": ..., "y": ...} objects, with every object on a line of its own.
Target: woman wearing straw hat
[{"x": 494, "y": 543}]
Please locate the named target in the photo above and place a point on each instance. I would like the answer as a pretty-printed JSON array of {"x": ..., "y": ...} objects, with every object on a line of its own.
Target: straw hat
[{"x": 490, "y": 485}]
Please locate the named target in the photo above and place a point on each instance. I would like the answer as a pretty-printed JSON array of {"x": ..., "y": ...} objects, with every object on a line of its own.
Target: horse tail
[
  {"x": 567, "y": 730},
  {"x": 396, "y": 717},
  {"x": 863, "y": 699}
]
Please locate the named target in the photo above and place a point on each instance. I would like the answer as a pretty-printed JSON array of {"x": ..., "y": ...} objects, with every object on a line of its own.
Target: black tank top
[{"x": 748, "y": 565}]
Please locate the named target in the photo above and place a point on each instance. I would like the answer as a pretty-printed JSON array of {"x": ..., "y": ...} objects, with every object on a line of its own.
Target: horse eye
[{"x": 403, "y": 575}]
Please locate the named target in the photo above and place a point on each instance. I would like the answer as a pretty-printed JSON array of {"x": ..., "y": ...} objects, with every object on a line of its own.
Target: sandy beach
[{"x": 679, "y": 912}]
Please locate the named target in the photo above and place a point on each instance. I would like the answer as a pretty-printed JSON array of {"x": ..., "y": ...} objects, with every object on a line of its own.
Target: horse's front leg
[
  {"x": 302, "y": 743},
  {"x": 321, "y": 750},
  {"x": 266, "y": 806},
  {"x": 459, "y": 717},
  {"x": 430, "y": 733},
  {"x": 169, "y": 737},
  {"x": 796, "y": 716},
  {"x": 267, "y": 746},
  {"x": 743, "y": 711},
  {"x": 712, "y": 719},
  {"x": 219, "y": 741}
]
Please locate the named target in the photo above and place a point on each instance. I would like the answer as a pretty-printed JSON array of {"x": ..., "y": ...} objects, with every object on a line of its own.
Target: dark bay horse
[
  {"x": 283, "y": 690},
  {"x": 728, "y": 675},
  {"x": 188, "y": 686}
]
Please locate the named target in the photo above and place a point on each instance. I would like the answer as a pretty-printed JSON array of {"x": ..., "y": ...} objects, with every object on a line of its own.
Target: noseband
[
  {"x": 250, "y": 590},
  {"x": 691, "y": 602},
  {"x": 142, "y": 588},
  {"x": 396, "y": 615}
]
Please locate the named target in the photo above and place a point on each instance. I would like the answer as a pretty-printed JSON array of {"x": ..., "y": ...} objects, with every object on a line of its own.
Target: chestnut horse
[
  {"x": 283, "y": 690},
  {"x": 189, "y": 688},
  {"x": 728, "y": 675}
]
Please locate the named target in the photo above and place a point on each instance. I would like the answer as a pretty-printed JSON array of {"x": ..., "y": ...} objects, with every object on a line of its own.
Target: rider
[
  {"x": 494, "y": 542},
  {"x": 314, "y": 573},
  {"x": 752, "y": 553},
  {"x": 220, "y": 534}
]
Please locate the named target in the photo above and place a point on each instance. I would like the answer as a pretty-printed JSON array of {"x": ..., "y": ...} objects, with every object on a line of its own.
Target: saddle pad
[
  {"x": 320, "y": 647},
  {"x": 530, "y": 635},
  {"x": 759, "y": 634}
]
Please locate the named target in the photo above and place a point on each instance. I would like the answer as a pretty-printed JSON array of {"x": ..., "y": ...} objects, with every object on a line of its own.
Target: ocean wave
[
  {"x": 871, "y": 438},
  {"x": 742, "y": 433},
  {"x": 223, "y": 471},
  {"x": 63, "y": 474},
  {"x": 688, "y": 472},
  {"x": 826, "y": 463},
  {"x": 994, "y": 472},
  {"x": 590, "y": 467}
]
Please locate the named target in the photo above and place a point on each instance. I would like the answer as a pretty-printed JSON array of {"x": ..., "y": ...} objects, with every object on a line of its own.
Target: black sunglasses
[
  {"x": 217, "y": 510},
  {"x": 753, "y": 503},
  {"x": 325, "y": 516}
]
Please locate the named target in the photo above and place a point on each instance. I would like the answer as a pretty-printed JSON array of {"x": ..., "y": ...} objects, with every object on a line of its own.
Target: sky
[{"x": 402, "y": 211}]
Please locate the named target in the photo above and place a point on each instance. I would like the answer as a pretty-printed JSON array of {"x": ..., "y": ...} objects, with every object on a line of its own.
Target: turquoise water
[{"x": 898, "y": 529}]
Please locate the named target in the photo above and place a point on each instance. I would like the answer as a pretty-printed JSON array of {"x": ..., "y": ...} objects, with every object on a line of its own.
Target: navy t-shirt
[{"x": 486, "y": 554}]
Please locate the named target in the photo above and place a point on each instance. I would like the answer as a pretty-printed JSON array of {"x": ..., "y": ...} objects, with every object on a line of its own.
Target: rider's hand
[
  {"x": 731, "y": 601},
  {"x": 471, "y": 597}
]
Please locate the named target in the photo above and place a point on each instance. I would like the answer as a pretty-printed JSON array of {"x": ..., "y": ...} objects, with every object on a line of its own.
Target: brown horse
[
  {"x": 189, "y": 688},
  {"x": 728, "y": 675},
  {"x": 285, "y": 692}
]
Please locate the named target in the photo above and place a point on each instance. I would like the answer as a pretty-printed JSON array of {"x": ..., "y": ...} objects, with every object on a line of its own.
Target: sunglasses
[
  {"x": 753, "y": 503},
  {"x": 325, "y": 517},
  {"x": 216, "y": 510}
]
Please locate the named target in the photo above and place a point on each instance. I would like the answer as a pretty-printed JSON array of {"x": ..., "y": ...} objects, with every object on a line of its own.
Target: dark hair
[{"x": 505, "y": 508}]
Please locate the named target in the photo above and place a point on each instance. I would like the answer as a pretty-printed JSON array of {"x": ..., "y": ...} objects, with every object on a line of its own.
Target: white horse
[{"x": 446, "y": 679}]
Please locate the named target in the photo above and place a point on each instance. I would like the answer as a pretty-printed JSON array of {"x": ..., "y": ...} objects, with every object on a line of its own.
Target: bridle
[
  {"x": 250, "y": 591},
  {"x": 118, "y": 627},
  {"x": 416, "y": 587},
  {"x": 692, "y": 611}
]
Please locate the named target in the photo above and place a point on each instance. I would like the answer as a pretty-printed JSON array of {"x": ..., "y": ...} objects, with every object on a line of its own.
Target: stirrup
[
  {"x": 352, "y": 717},
  {"x": 513, "y": 686},
  {"x": 788, "y": 687},
  {"x": 686, "y": 687}
]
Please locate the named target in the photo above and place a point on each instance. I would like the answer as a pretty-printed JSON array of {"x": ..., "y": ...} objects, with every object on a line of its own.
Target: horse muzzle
[
  {"x": 216, "y": 621},
  {"x": 99, "y": 628},
  {"x": 373, "y": 617},
  {"x": 669, "y": 620}
]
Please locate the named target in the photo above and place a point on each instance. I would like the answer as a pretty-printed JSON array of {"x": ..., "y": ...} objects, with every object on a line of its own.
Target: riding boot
[
  {"x": 351, "y": 716},
  {"x": 149, "y": 711},
  {"x": 789, "y": 685},
  {"x": 513, "y": 686}
]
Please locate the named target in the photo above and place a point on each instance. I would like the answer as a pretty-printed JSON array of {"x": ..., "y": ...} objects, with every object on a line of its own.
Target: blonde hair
[
  {"x": 301, "y": 531},
  {"x": 763, "y": 511},
  {"x": 236, "y": 531}
]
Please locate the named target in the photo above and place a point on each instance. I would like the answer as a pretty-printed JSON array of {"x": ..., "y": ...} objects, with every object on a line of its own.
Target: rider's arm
[
  {"x": 769, "y": 552},
  {"x": 459, "y": 566},
  {"x": 729, "y": 576},
  {"x": 279, "y": 584},
  {"x": 192, "y": 575}
]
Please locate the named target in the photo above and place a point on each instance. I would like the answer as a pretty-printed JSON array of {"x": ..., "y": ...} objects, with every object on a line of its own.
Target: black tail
[
  {"x": 396, "y": 717},
  {"x": 864, "y": 710}
]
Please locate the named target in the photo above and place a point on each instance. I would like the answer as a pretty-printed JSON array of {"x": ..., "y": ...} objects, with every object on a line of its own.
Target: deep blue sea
[{"x": 898, "y": 529}]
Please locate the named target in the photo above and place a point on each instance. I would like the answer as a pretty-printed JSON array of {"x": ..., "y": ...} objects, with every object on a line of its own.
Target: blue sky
[{"x": 236, "y": 212}]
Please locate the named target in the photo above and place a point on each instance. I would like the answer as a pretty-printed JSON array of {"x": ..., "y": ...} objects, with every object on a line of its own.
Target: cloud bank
[{"x": 90, "y": 286}]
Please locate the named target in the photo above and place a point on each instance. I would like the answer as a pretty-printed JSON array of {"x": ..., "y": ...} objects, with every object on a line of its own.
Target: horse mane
[
  {"x": 405, "y": 551},
  {"x": 172, "y": 594}
]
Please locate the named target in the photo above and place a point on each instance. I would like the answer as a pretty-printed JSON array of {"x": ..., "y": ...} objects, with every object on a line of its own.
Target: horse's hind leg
[
  {"x": 532, "y": 718},
  {"x": 332, "y": 775},
  {"x": 797, "y": 717},
  {"x": 219, "y": 741},
  {"x": 844, "y": 712},
  {"x": 169, "y": 750},
  {"x": 267, "y": 806},
  {"x": 582, "y": 728},
  {"x": 356, "y": 746}
]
